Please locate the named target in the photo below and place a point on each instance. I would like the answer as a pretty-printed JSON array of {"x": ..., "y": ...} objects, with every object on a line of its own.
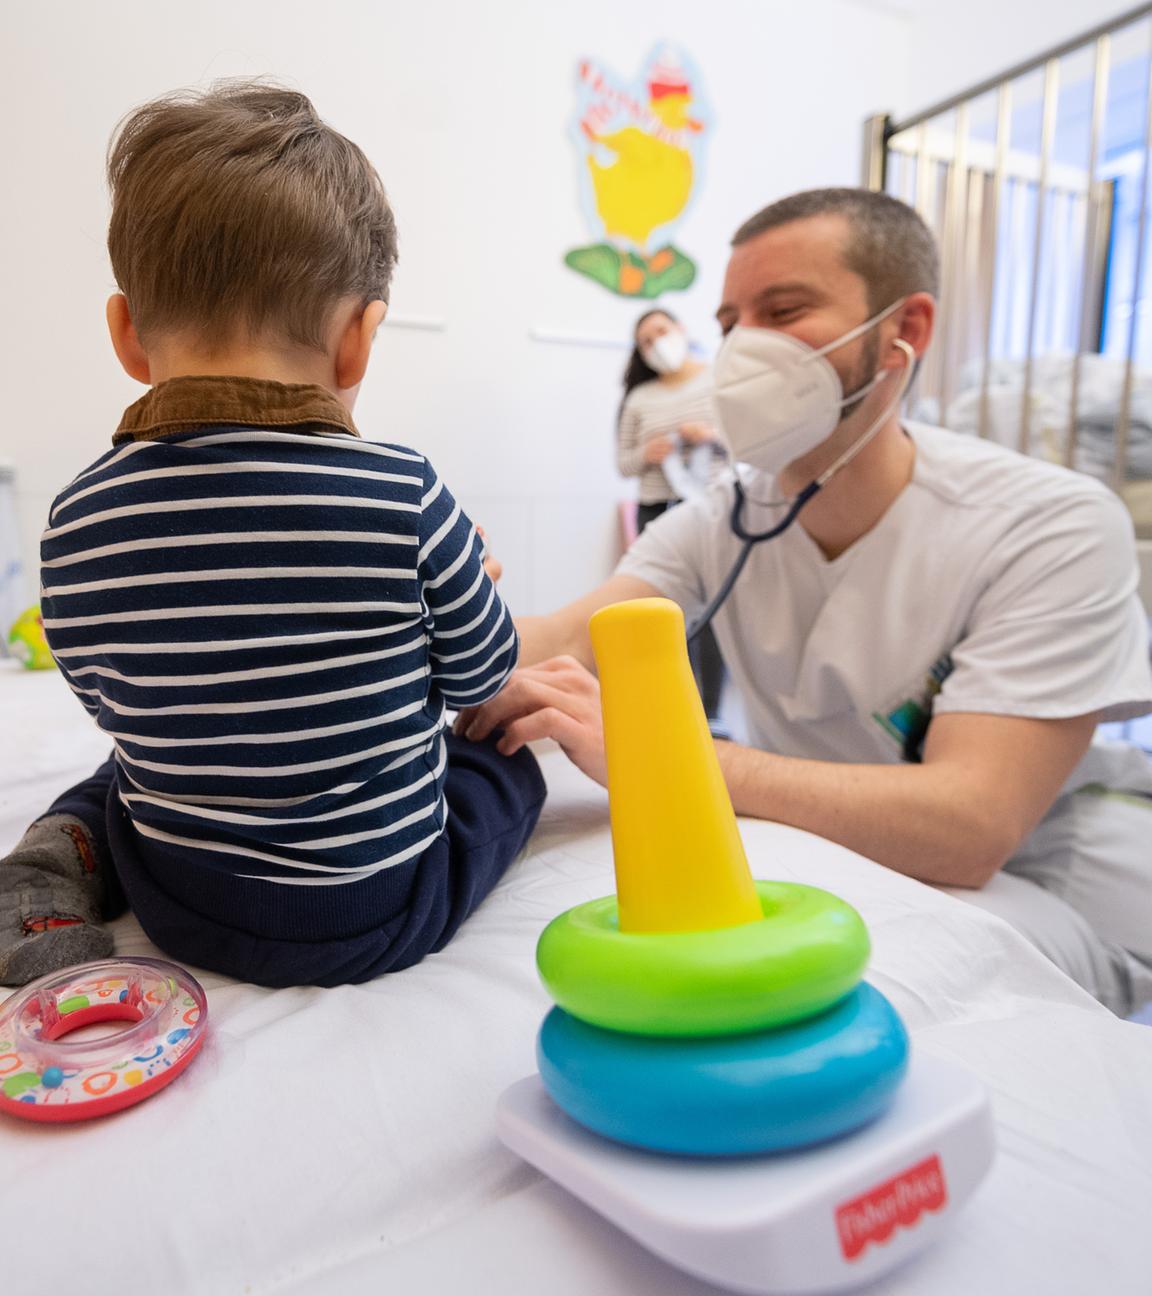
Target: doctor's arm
[
  {"x": 564, "y": 633},
  {"x": 985, "y": 782}
]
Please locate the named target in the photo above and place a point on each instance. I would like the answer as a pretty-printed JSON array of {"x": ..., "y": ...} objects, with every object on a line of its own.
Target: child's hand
[{"x": 493, "y": 566}]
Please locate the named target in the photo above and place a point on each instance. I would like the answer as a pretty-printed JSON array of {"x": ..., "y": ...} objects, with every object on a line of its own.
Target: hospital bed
[
  {"x": 342, "y": 1140},
  {"x": 993, "y": 406},
  {"x": 1031, "y": 182}
]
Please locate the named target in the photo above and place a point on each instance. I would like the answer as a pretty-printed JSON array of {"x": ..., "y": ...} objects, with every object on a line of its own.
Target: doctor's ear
[{"x": 915, "y": 321}]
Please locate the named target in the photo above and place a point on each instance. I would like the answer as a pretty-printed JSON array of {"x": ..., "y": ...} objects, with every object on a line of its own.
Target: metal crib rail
[{"x": 1026, "y": 230}]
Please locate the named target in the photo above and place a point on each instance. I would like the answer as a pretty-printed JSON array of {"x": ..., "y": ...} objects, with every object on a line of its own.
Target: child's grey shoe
[
  {"x": 51, "y": 892},
  {"x": 50, "y": 951}
]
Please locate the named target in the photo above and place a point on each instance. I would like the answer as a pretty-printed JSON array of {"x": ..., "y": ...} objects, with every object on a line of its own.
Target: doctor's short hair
[
  {"x": 889, "y": 247},
  {"x": 238, "y": 212}
]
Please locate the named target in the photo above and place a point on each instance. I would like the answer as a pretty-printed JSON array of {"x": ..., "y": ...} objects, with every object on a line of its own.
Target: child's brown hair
[{"x": 237, "y": 213}]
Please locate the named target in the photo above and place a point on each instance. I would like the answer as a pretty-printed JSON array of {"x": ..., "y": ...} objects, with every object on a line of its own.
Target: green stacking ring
[{"x": 807, "y": 953}]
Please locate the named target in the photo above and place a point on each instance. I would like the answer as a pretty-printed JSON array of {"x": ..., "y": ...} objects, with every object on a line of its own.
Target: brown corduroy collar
[{"x": 181, "y": 404}]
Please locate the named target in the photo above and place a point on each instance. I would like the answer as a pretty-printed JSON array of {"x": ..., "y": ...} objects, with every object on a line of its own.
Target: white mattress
[{"x": 342, "y": 1140}]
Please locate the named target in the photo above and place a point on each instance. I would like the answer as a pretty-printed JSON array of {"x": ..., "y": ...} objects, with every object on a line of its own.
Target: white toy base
[{"x": 821, "y": 1220}]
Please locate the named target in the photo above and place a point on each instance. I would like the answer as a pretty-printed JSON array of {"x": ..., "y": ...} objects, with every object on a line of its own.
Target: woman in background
[
  {"x": 667, "y": 420},
  {"x": 667, "y": 409}
]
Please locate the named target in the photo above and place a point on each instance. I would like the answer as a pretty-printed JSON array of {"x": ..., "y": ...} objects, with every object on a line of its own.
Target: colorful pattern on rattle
[{"x": 46, "y": 1076}]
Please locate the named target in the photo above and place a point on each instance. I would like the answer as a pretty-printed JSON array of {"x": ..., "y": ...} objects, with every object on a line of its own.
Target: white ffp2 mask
[
  {"x": 668, "y": 353},
  {"x": 778, "y": 398}
]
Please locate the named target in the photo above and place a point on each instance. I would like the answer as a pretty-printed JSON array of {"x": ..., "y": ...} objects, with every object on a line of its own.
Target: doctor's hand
[
  {"x": 658, "y": 449},
  {"x": 557, "y": 699}
]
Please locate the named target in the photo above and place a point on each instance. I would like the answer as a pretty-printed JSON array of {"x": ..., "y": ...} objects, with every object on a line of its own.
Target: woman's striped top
[
  {"x": 268, "y": 624},
  {"x": 657, "y": 408}
]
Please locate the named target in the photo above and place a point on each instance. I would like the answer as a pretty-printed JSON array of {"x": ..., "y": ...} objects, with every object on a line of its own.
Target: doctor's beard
[{"x": 863, "y": 374}]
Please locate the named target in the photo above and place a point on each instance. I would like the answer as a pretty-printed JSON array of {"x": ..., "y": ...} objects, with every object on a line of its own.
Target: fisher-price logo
[{"x": 874, "y": 1215}]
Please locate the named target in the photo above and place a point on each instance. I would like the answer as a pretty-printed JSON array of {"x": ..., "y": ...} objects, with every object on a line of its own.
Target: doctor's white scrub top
[{"x": 994, "y": 583}]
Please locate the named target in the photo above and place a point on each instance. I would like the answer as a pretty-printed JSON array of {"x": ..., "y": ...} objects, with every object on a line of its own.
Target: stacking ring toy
[
  {"x": 44, "y": 1076},
  {"x": 712, "y": 1039},
  {"x": 700, "y": 1012},
  {"x": 736, "y": 1096},
  {"x": 808, "y": 951}
]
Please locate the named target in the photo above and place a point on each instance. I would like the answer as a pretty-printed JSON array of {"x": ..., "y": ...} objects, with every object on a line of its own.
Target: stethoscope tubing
[{"x": 751, "y": 539}]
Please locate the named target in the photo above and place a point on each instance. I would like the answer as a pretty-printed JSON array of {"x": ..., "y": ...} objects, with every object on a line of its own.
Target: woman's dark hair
[{"x": 638, "y": 369}]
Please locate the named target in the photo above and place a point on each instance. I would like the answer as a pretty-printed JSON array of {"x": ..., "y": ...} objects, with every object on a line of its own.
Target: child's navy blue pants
[{"x": 332, "y": 935}]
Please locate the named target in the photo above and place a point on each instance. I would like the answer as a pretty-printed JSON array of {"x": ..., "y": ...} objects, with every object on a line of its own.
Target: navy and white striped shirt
[{"x": 268, "y": 622}]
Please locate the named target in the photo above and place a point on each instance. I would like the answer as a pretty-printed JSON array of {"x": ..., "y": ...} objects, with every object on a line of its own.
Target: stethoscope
[{"x": 750, "y": 539}]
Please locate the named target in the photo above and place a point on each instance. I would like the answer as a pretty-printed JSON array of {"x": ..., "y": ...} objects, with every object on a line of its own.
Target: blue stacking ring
[{"x": 736, "y": 1095}]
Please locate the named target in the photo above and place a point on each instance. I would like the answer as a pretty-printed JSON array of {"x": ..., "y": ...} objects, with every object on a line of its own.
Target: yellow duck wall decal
[{"x": 641, "y": 150}]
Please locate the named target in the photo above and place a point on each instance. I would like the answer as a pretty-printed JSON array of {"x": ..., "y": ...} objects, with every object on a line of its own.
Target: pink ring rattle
[{"x": 44, "y": 1076}]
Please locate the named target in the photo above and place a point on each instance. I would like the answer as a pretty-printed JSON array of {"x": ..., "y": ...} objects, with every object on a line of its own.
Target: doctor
[{"x": 925, "y": 654}]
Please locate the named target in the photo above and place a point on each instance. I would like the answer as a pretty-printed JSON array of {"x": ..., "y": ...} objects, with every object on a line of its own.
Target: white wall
[
  {"x": 956, "y": 45},
  {"x": 464, "y": 107}
]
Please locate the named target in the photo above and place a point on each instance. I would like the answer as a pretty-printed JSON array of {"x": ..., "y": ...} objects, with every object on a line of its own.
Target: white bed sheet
[{"x": 342, "y": 1140}]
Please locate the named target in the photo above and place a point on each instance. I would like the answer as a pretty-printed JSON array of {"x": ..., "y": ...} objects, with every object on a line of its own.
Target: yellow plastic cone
[{"x": 680, "y": 863}]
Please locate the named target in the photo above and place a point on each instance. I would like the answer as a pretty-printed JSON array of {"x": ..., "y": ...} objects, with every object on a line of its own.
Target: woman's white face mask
[
  {"x": 668, "y": 352},
  {"x": 778, "y": 398}
]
